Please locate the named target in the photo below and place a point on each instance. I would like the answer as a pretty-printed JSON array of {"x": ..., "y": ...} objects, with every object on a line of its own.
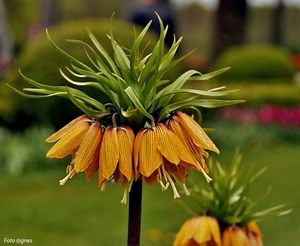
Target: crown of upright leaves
[
  {"x": 227, "y": 198},
  {"x": 133, "y": 81}
]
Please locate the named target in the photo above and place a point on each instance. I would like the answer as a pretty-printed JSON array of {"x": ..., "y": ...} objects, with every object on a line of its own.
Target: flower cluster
[
  {"x": 205, "y": 230},
  {"x": 268, "y": 114},
  {"x": 154, "y": 153},
  {"x": 140, "y": 132},
  {"x": 224, "y": 214}
]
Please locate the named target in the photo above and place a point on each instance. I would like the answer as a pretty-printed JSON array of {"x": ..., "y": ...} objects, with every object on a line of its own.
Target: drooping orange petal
[
  {"x": 195, "y": 131},
  {"x": 70, "y": 142},
  {"x": 189, "y": 153},
  {"x": 176, "y": 128},
  {"x": 215, "y": 230},
  {"x": 61, "y": 132},
  {"x": 254, "y": 239},
  {"x": 125, "y": 140},
  {"x": 109, "y": 152},
  {"x": 207, "y": 231},
  {"x": 91, "y": 169},
  {"x": 253, "y": 227},
  {"x": 178, "y": 170},
  {"x": 166, "y": 143},
  {"x": 234, "y": 236},
  {"x": 136, "y": 149},
  {"x": 202, "y": 233},
  {"x": 254, "y": 234},
  {"x": 89, "y": 148},
  {"x": 149, "y": 156},
  {"x": 152, "y": 178},
  {"x": 101, "y": 179},
  {"x": 186, "y": 232}
]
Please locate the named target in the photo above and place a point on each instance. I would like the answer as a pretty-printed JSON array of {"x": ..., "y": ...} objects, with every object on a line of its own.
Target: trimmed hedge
[
  {"x": 256, "y": 62},
  {"x": 40, "y": 62}
]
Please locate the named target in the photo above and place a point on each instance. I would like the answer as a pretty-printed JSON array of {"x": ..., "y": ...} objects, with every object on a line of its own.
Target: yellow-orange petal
[
  {"x": 153, "y": 178},
  {"x": 91, "y": 169},
  {"x": 253, "y": 227},
  {"x": 136, "y": 149},
  {"x": 125, "y": 140},
  {"x": 234, "y": 236},
  {"x": 61, "y": 132},
  {"x": 254, "y": 239},
  {"x": 149, "y": 158},
  {"x": 178, "y": 170},
  {"x": 185, "y": 235},
  {"x": 89, "y": 148},
  {"x": 254, "y": 234},
  {"x": 109, "y": 152},
  {"x": 167, "y": 144},
  {"x": 70, "y": 142},
  {"x": 175, "y": 127},
  {"x": 208, "y": 230},
  {"x": 195, "y": 131}
]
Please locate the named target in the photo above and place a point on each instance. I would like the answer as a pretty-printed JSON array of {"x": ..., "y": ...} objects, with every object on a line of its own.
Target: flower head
[
  {"x": 254, "y": 234},
  {"x": 227, "y": 200},
  {"x": 158, "y": 151},
  {"x": 199, "y": 230},
  {"x": 116, "y": 155},
  {"x": 193, "y": 137},
  {"x": 69, "y": 137},
  {"x": 138, "y": 91},
  {"x": 234, "y": 236}
]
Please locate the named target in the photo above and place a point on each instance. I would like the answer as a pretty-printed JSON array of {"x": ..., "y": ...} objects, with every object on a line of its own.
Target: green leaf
[
  {"x": 82, "y": 106},
  {"x": 205, "y": 103},
  {"x": 102, "y": 51},
  {"x": 135, "y": 100},
  {"x": 210, "y": 75},
  {"x": 74, "y": 60},
  {"x": 33, "y": 96},
  {"x": 177, "y": 84},
  {"x": 200, "y": 92},
  {"x": 135, "y": 47}
]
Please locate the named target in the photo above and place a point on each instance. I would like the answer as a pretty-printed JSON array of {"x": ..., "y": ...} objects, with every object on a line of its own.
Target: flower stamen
[
  {"x": 185, "y": 189},
  {"x": 103, "y": 187},
  {"x": 70, "y": 175},
  {"x": 175, "y": 192},
  {"x": 208, "y": 179},
  {"x": 163, "y": 186},
  {"x": 124, "y": 199}
]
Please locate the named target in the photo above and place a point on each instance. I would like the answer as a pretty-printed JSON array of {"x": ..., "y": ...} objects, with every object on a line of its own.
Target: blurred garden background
[{"x": 261, "y": 44}]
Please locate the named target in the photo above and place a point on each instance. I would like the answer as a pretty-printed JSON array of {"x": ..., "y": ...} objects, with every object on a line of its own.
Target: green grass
[{"x": 34, "y": 206}]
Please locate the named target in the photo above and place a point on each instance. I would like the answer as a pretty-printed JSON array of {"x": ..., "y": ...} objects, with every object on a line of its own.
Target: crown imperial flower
[
  {"x": 136, "y": 135},
  {"x": 199, "y": 230},
  {"x": 227, "y": 200}
]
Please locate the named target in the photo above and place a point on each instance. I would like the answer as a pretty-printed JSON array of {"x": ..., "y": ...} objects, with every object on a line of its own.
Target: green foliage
[
  {"x": 24, "y": 152},
  {"x": 256, "y": 62},
  {"x": 41, "y": 62},
  {"x": 227, "y": 198},
  {"x": 281, "y": 92},
  {"x": 25, "y": 18}
]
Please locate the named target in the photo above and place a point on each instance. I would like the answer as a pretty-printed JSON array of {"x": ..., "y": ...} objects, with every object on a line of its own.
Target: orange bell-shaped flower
[
  {"x": 234, "y": 236},
  {"x": 199, "y": 231}
]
